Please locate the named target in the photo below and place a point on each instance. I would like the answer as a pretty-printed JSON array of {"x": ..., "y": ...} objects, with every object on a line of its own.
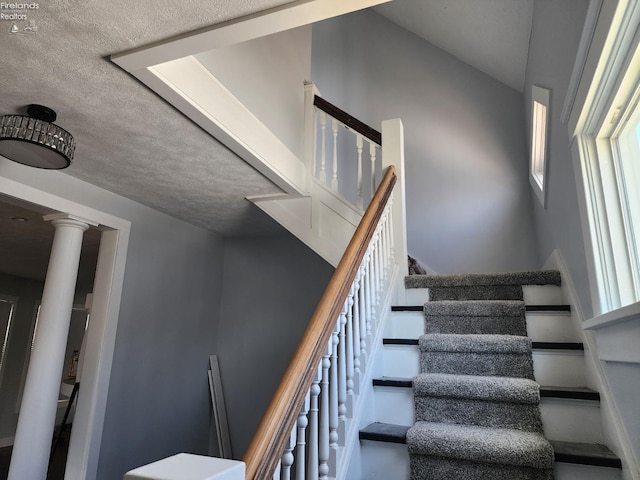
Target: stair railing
[
  {"x": 338, "y": 137},
  {"x": 302, "y": 433}
]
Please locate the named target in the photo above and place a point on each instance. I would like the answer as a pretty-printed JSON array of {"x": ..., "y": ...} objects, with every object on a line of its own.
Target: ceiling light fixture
[{"x": 34, "y": 140}]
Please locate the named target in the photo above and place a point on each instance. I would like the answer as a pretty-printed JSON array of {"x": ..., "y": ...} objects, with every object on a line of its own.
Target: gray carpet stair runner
[{"x": 476, "y": 403}]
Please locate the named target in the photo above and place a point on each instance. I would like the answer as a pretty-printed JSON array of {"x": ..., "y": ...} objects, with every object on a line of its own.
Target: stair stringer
[
  {"x": 324, "y": 220},
  {"x": 615, "y": 434}
]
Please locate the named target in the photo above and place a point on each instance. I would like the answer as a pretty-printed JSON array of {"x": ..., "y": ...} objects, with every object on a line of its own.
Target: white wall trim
[
  {"x": 192, "y": 89},
  {"x": 616, "y": 431},
  {"x": 86, "y": 438},
  {"x": 593, "y": 12},
  {"x": 285, "y": 17},
  {"x": 626, "y": 313}
]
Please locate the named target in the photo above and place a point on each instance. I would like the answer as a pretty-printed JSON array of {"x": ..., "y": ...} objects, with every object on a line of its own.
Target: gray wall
[
  {"x": 468, "y": 201},
  {"x": 554, "y": 42},
  {"x": 271, "y": 288},
  {"x": 158, "y": 401}
]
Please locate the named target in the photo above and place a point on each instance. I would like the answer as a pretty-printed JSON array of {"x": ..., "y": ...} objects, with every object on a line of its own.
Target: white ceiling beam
[{"x": 278, "y": 19}]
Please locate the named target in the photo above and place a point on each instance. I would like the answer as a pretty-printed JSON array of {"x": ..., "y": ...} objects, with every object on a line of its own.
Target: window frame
[
  {"x": 539, "y": 142},
  {"x": 609, "y": 93}
]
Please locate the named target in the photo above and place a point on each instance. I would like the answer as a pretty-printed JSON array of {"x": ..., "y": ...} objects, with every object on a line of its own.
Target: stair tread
[
  {"x": 534, "y": 345},
  {"x": 567, "y": 452},
  {"x": 529, "y": 308},
  {"x": 487, "y": 444},
  {"x": 540, "y": 277},
  {"x": 385, "y": 432},
  {"x": 585, "y": 454},
  {"x": 478, "y": 343},
  {"x": 485, "y": 388},
  {"x": 545, "y": 391}
]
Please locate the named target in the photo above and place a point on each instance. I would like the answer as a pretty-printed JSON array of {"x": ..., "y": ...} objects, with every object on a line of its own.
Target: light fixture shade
[{"x": 35, "y": 141}]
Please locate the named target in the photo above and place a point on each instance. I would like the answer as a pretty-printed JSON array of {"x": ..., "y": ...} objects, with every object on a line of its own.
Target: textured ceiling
[
  {"x": 129, "y": 140},
  {"x": 490, "y": 35}
]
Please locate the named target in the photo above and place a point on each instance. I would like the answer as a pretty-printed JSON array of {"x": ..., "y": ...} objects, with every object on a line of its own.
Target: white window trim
[
  {"x": 595, "y": 118},
  {"x": 539, "y": 142}
]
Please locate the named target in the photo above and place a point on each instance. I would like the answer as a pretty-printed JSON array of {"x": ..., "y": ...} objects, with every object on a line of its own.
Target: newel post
[
  {"x": 310, "y": 132},
  {"x": 393, "y": 154}
]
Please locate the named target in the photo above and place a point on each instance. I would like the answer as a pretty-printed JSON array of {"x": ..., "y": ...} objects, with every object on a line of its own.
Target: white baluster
[
  {"x": 334, "y": 176},
  {"x": 357, "y": 320},
  {"x": 334, "y": 389},
  {"x": 359, "y": 144},
  {"x": 342, "y": 367},
  {"x": 323, "y": 434},
  {"x": 349, "y": 341},
  {"x": 371, "y": 295},
  {"x": 287, "y": 456},
  {"x": 372, "y": 155},
  {"x": 313, "y": 462},
  {"x": 367, "y": 309},
  {"x": 301, "y": 444},
  {"x": 323, "y": 148}
]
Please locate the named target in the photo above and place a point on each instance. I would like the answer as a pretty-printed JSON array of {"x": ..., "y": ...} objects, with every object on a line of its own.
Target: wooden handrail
[
  {"x": 269, "y": 441},
  {"x": 350, "y": 121}
]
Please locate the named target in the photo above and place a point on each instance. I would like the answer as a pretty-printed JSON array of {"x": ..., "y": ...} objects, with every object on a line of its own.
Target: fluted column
[{"x": 40, "y": 398}]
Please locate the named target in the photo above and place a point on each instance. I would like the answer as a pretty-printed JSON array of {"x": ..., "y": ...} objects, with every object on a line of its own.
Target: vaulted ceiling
[{"x": 131, "y": 142}]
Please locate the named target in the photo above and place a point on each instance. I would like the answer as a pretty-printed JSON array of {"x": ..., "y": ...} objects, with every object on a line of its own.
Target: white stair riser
[
  {"x": 559, "y": 368},
  {"x": 566, "y": 420},
  {"x": 384, "y": 461},
  {"x": 570, "y": 471},
  {"x": 541, "y": 326},
  {"x": 394, "y": 405},
  {"x": 551, "y": 327},
  {"x": 542, "y": 295},
  {"x": 533, "y": 295},
  {"x": 571, "y": 420},
  {"x": 551, "y": 368}
]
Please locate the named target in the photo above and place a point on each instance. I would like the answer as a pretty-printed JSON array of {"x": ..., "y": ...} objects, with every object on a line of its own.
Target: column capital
[{"x": 69, "y": 219}]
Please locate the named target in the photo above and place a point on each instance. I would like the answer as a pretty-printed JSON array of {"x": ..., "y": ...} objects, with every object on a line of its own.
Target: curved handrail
[{"x": 268, "y": 443}]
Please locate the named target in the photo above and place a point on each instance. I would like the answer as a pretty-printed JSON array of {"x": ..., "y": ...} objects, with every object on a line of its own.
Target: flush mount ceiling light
[{"x": 34, "y": 140}]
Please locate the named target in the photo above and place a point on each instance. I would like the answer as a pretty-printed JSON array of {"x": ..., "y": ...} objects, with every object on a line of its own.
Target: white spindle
[
  {"x": 334, "y": 409},
  {"x": 334, "y": 175},
  {"x": 359, "y": 144},
  {"x": 287, "y": 456},
  {"x": 349, "y": 342},
  {"x": 342, "y": 365},
  {"x": 323, "y": 434},
  {"x": 312, "y": 461},
  {"x": 367, "y": 310},
  {"x": 301, "y": 441},
  {"x": 372, "y": 295},
  {"x": 357, "y": 320},
  {"x": 372, "y": 155},
  {"x": 323, "y": 148}
]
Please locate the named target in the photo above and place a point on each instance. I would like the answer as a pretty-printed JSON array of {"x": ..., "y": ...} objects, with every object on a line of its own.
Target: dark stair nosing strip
[
  {"x": 534, "y": 345},
  {"x": 557, "y": 346},
  {"x": 384, "y": 432},
  {"x": 585, "y": 454},
  {"x": 407, "y": 308},
  {"x": 400, "y": 341},
  {"x": 571, "y": 393},
  {"x": 547, "y": 308},
  {"x": 393, "y": 382},
  {"x": 528, "y": 308}
]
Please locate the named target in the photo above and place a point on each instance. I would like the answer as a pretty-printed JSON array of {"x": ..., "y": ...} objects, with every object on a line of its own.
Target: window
[
  {"x": 608, "y": 143},
  {"x": 539, "y": 127}
]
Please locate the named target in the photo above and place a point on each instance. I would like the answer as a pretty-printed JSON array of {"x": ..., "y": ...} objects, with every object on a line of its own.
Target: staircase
[{"x": 457, "y": 385}]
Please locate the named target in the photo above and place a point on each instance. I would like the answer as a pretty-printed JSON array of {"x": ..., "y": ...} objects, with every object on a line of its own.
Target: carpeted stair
[{"x": 476, "y": 404}]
